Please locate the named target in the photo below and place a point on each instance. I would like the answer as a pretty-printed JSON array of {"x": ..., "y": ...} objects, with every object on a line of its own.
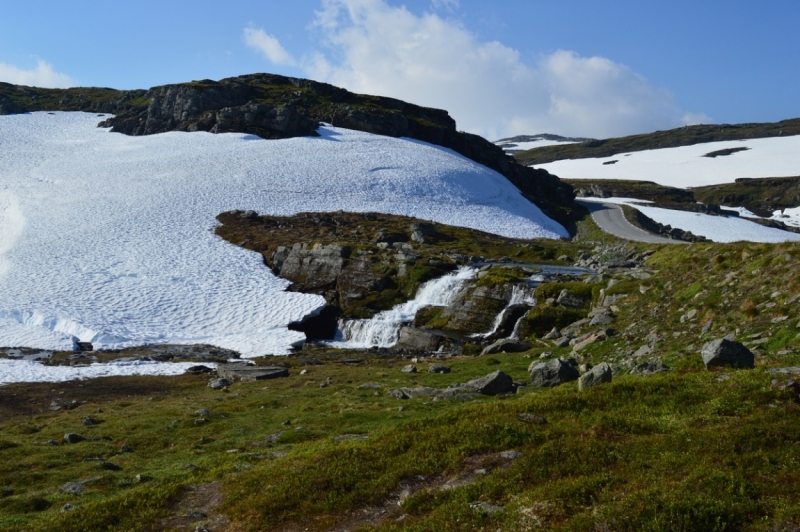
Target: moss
[
  {"x": 552, "y": 290},
  {"x": 541, "y": 319},
  {"x": 499, "y": 275}
]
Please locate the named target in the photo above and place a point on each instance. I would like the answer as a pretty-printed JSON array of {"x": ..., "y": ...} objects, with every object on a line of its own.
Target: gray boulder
[
  {"x": 410, "y": 368},
  {"x": 599, "y": 374},
  {"x": 218, "y": 384},
  {"x": 438, "y": 368},
  {"x": 553, "y": 373},
  {"x": 506, "y": 346},
  {"x": 724, "y": 352},
  {"x": 494, "y": 383},
  {"x": 601, "y": 319},
  {"x": 246, "y": 373},
  {"x": 646, "y": 369}
]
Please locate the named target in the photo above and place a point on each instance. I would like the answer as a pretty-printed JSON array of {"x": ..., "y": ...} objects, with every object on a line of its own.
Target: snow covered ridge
[
  {"x": 687, "y": 167},
  {"x": 522, "y": 143},
  {"x": 109, "y": 238}
]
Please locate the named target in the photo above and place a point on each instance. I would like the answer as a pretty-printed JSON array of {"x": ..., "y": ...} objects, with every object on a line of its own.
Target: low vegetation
[{"x": 689, "y": 449}]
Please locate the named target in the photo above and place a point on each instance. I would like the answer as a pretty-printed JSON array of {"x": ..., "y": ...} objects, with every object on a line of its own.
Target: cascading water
[
  {"x": 383, "y": 330},
  {"x": 519, "y": 296}
]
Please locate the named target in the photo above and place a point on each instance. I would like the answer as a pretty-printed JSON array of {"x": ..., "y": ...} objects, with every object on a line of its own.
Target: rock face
[
  {"x": 724, "y": 352},
  {"x": 553, "y": 373},
  {"x": 599, "y": 374},
  {"x": 273, "y": 107}
]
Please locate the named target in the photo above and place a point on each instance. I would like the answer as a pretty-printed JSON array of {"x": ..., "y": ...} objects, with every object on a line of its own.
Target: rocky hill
[
  {"x": 684, "y": 136},
  {"x": 275, "y": 107}
]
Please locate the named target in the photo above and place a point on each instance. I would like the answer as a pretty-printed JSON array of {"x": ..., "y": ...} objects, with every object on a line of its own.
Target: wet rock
[
  {"x": 553, "y": 373},
  {"x": 599, "y": 374},
  {"x": 724, "y": 352}
]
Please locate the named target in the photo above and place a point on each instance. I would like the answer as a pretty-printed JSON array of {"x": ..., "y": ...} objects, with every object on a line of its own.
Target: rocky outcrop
[
  {"x": 599, "y": 374},
  {"x": 553, "y": 373}
]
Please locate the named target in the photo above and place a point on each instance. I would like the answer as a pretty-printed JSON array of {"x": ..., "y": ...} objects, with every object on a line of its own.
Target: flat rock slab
[{"x": 250, "y": 373}]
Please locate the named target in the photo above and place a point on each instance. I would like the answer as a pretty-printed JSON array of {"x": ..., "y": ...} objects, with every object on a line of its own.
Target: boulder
[
  {"x": 565, "y": 299},
  {"x": 421, "y": 232},
  {"x": 438, "y": 368},
  {"x": 506, "y": 346},
  {"x": 72, "y": 438},
  {"x": 218, "y": 384},
  {"x": 601, "y": 319},
  {"x": 420, "y": 391},
  {"x": 553, "y": 373},
  {"x": 410, "y": 368},
  {"x": 646, "y": 369},
  {"x": 724, "y": 352},
  {"x": 599, "y": 374},
  {"x": 494, "y": 383},
  {"x": 420, "y": 339},
  {"x": 553, "y": 334}
]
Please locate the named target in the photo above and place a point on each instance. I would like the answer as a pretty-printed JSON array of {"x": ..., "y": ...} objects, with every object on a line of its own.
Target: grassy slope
[
  {"x": 685, "y": 136},
  {"x": 686, "y": 450}
]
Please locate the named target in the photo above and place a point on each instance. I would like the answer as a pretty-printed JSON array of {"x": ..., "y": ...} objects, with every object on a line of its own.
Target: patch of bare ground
[{"x": 195, "y": 509}]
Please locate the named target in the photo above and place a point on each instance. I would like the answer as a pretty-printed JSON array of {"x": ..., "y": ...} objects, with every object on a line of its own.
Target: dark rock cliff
[{"x": 274, "y": 107}]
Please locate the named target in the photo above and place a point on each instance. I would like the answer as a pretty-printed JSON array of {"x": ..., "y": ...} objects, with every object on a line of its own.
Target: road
[{"x": 610, "y": 218}]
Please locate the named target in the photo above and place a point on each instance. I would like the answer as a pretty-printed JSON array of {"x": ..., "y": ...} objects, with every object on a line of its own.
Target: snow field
[
  {"x": 686, "y": 167},
  {"x": 109, "y": 238},
  {"x": 14, "y": 371}
]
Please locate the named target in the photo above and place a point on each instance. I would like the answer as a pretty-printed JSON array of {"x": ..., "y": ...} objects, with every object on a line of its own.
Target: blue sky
[{"x": 572, "y": 67}]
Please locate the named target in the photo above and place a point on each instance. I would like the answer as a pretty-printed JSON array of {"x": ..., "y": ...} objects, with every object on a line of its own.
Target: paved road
[{"x": 611, "y": 220}]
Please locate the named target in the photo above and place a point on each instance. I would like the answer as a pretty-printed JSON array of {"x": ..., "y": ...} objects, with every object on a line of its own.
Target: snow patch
[
  {"x": 109, "y": 238},
  {"x": 686, "y": 167}
]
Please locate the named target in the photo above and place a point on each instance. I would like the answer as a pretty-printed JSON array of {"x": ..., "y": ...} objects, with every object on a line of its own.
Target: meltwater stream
[
  {"x": 519, "y": 295},
  {"x": 383, "y": 330}
]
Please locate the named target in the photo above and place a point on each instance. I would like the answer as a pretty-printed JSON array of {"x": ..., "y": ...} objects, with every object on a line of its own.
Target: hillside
[
  {"x": 350, "y": 440},
  {"x": 277, "y": 107},
  {"x": 684, "y": 136}
]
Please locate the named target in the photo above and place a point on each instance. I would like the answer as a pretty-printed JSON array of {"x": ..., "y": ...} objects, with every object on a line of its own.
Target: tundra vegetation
[{"x": 327, "y": 448}]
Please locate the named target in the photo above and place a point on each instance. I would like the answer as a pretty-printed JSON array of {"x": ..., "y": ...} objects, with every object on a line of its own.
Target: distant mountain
[
  {"x": 684, "y": 136},
  {"x": 521, "y": 143},
  {"x": 273, "y": 107}
]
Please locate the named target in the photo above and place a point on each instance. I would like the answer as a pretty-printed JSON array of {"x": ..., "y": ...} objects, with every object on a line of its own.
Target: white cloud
[
  {"x": 447, "y": 4},
  {"x": 41, "y": 76},
  {"x": 486, "y": 86},
  {"x": 268, "y": 45}
]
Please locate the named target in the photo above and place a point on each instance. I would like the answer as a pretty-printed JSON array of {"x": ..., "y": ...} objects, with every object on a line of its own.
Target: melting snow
[
  {"x": 109, "y": 238},
  {"x": 686, "y": 167},
  {"x": 12, "y": 371}
]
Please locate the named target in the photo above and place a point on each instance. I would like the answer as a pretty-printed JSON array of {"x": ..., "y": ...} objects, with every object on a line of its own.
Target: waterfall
[
  {"x": 519, "y": 296},
  {"x": 383, "y": 329},
  {"x": 515, "y": 332}
]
